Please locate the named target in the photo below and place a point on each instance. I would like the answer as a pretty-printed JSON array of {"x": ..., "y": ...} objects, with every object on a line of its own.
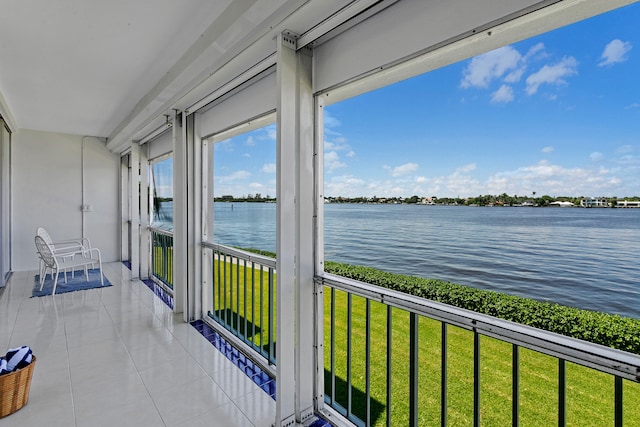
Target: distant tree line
[
  {"x": 503, "y": 199},
  {"x": 245, "y": 198},
  {"x": 482, "y": 200}
]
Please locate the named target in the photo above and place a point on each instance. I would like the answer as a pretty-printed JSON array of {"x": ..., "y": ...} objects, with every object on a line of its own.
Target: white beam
[
  {"x": 285, "y": 229},
  {"x": 144, "y": 242},
  {"x": 305, "y": 321},
  {"x": 180, "y": 220},
  {"x": 134, "y": 209}
]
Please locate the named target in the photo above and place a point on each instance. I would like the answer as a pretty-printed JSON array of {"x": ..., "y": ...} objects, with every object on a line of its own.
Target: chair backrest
[
  {"x": 45, "y": 251},
  {"x": 45, "y": 235}
]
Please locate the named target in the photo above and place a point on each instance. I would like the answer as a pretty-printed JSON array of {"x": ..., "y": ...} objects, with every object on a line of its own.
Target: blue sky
[{"x": 558, "y": 114}]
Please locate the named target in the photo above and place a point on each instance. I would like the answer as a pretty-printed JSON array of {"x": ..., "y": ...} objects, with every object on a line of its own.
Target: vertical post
[
  {"x": 180, "y": 209},
  {"x": 618, "y": 405},
  {"x": 413, "y": 369},
  {"x": 144, "y": 213},
  {"x": 134, "y": 213},
  {"x": 443, "y": 376},
  {"x": 319, "y": 252},
  {"x": 305, "y": 212},
  {"x": 207, "y": 225},
  {"x": 476, "y": 378},
  {"x": 389, "y": 362},
  {"x": 125, "y": 201},
  {"x": 286, "y": 149},
  {"x": 515, "y": 386},
  {"x": 562, "y": 393}
]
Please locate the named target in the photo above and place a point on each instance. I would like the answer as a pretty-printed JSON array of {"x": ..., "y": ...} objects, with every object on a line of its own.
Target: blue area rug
[{"x": 77, "y": 283}]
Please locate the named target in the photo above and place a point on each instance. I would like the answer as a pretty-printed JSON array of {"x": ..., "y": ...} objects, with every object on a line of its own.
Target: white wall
[{"x": 48, "y": 192}]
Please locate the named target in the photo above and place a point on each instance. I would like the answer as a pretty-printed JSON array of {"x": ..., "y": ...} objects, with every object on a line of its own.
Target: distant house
[
  {"x": 560, "y": 204},
  {"x": 594, "y": 202},
  {"x": 628, "y": 204}
]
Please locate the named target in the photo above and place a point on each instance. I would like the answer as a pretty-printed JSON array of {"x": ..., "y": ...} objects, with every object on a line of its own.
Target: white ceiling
[
  {"x": 83, "y": 66},
  {"x": 113, "y": 68}
]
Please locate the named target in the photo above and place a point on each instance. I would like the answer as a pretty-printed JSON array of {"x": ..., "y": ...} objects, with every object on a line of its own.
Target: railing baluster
[
  {"x": 349, "y": 349},
  {"x": 443, "y": 376},
  {"x": 272, "y": 319},
  {"x": 413, "y": 369},
  {"x": 245, "y": 333},
  {"x": 262, "y": 331},
  {"x": 618, "y": 407},
  {"x": 253, "y": 304},
  {"x": 368, "y": 363},
  {"x": 389, "y": 376},
  {"x": 476, "y": 378},
  {"x": 333, "y": 345},
  {"x": 237, "y": 311},
  {"x": 224, "y": 281},
  {"x": 515, "y": 385},
  {"x": 562, "y": 393}
]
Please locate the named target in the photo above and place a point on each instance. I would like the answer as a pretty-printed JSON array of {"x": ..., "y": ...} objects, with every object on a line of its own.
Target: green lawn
[
  {"x": 589, "y": 392},
  {"x": 162, "y": 261}
]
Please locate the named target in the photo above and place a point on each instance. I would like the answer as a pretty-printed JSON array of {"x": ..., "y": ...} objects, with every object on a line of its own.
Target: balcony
[
  {"x": 154, "y": 82},
  {"x": 120, "y": 356}
]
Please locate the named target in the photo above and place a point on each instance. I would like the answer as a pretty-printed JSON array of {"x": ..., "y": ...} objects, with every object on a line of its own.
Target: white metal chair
[
  {"x": 70, "y": 246},
  {"x": 60, "y": 261}
]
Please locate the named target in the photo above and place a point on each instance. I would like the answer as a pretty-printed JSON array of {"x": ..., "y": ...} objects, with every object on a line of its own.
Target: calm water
[{"x": 588, "y": 258}]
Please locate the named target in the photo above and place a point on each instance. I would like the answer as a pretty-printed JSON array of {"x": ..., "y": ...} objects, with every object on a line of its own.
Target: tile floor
[{"x": 118, "y": 356}]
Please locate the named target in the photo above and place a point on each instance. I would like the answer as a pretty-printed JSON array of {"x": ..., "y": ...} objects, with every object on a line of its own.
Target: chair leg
[
  {"x": 101, "y": 275},
  {"x": 86, "y": 273},
  {"x": 43, "y": 276},
  {"x": 55, "y": 282}
]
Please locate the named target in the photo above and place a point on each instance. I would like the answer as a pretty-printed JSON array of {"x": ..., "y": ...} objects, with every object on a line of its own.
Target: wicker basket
[{"x": 14, "y": 389}]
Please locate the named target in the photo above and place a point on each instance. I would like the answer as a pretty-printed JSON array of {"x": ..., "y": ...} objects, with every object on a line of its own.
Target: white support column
[
  {"x": 145, "y": 242},
  {"x": 125, "y": 217},
  {"x": 207, "y": 224},
  {"x": 305, "y": 211},
  {"x": 195, "y": 169},
  {"x": 180, "y": 219},
  {"x": 286, "y": 229},
  {"x": 134, "y": 212},
  {"x": 187, "y": 227},
  {"x": 319, "y": 249}
]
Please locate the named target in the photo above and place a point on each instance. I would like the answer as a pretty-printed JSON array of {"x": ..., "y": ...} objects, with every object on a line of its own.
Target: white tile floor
[{"x": 118, "y": 356}]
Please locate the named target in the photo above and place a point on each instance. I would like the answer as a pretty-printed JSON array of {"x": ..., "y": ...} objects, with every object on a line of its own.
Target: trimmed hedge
[{"x": 611, "y": 330}]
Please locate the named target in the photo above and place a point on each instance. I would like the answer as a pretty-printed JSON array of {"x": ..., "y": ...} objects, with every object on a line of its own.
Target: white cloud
[
  {"x": 596, "y": 156},
  {"x": 489, "y": 66},
  {"x": 466, "y": 168},
  {"x": 552, "y": 74},
  {"x": 269, "y": 168},
  {"x": 330, "y": 121},
  {"x": 632, "y": 106},
  {"x": 345, "y": 186},
  {"x": 237, "y": 175},
  {"x": 625, "y": 149},
  {"x": 256, "y": 186},
  {"x": 421, "y": 179},
  {"x": 250, "y": 141},
  {"x": 405, "y": 169},
  {"x": 614, "y": 52},
  {"x": 332, "y": 161},
  {"x": 548, "y": 149},
  {"x": 504, "y": 94}
]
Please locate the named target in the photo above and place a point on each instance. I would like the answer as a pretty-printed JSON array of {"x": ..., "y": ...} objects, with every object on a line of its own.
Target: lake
[{"x": 587, "y": 258}]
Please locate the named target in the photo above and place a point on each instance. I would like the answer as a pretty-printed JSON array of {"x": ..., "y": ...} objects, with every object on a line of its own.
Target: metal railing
[
  {"x": 162, "y": 256},
  {"x": 394, "y": 359},
  {"x": 243, "y": 295}
]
